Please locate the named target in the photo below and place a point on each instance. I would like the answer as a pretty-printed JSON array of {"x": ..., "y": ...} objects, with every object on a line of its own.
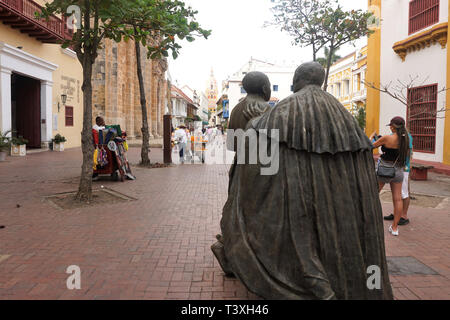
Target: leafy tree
[
  {"x": 102, "y": 19},
  {"x": 94, "y": 26},
  {"x": 323, "y": 60},
  {"x": 342, "y": 27},
  {"x": 319, "y": 24},
  {"x": 154, "y": 24}
]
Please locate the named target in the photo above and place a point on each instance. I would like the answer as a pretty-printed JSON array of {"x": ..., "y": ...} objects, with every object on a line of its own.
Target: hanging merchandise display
[
  {"x": 95, "y": 158},
  {"x": 110, "y": 153}
]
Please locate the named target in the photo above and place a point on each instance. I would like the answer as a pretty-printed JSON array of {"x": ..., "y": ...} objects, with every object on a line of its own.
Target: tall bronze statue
[
  {"x": 313, "y": 229},
  {"x": 257, "y": 86}
]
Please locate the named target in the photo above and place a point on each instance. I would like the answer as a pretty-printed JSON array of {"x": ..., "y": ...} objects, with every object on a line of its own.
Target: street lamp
[{"x": 63, "y": 100}]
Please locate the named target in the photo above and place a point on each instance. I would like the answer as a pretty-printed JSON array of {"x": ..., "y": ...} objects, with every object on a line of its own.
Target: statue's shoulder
[{"x": 313, "y": 120}]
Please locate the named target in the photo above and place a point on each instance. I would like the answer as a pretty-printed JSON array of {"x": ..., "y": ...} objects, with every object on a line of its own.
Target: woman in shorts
[{"x": 395, "y": 151}]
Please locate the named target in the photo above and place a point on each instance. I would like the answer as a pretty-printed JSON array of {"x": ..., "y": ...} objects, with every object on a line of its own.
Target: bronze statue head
[
  {"x": 309, "y": 73},
  {"x": 256, "y": 82}
]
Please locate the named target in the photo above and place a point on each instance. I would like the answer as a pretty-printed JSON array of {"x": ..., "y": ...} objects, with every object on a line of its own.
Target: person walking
[
  {"x": 406, "y": 189},
  {"x": 181, "y": 138},
  {"x": 390, "y": 168}
]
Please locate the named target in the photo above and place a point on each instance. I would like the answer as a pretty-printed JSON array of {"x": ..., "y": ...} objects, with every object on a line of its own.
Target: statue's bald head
[
  {"x": 256, "y": 82},
  {"x": 309, "y": 73}
]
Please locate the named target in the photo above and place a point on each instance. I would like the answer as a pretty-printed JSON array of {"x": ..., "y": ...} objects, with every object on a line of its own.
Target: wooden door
[{"x": 28, "y": 110}]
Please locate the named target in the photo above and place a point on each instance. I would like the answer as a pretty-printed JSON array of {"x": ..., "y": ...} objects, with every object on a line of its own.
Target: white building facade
[
  {"x": 179, "y": 105},
  {"x": 281, "y": 79},
  {"x": 204, "y": 105},
  {"x": 414, "y": 61}
]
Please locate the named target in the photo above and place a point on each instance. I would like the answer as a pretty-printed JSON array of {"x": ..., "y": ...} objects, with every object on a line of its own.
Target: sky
[{"x": 238, "y": 33}]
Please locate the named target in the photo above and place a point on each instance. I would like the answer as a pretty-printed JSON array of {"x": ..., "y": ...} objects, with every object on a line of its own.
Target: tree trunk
[
  {"x": 314, "y": 52},
  {"x": 85, "y": 187},
  {"x": 145, "y": 160},
  {"x": 329, "y": 59}
]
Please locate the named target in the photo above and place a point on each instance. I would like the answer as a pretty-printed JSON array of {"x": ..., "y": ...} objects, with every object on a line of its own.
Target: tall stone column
[
  {"x": 5, "y": 99},
  {"x": 46, "y": 112}
]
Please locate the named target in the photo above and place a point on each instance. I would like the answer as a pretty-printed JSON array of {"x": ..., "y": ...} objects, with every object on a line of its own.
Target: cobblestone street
[{"x": 157, "y": 246}]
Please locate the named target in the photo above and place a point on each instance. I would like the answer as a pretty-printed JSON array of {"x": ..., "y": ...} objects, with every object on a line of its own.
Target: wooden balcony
[{"x": 20, "y": 14}]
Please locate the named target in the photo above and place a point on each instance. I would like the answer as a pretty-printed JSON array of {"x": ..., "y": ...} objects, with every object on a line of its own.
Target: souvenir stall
[{"x": 110, "y": 156}]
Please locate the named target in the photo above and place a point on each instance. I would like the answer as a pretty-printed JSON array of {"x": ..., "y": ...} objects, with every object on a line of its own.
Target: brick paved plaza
[{"x": 158, "y": 246}]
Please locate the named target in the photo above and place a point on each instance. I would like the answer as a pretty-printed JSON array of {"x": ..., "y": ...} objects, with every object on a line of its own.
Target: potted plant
[
  {"x": 5, "y": 144},
  {"x": 58, "y": 143},
  {"x": 18, "y": 147}
]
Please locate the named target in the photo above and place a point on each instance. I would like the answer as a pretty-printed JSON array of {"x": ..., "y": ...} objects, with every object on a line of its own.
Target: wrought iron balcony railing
[{"x": 20, "y": 14}]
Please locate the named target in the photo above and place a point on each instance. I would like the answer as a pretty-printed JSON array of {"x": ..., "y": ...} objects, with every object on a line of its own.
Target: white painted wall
[
  {"x": 278, "y": 75},
  {"x": 234, "y": 94},
  {"x": 428, "y": 63},
  {"x": 203, "y": 110},
  {"x": 21, "y": 62}
]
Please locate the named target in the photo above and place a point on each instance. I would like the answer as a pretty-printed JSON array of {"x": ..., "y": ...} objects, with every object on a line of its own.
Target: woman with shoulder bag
[{"x": 391, "y": 165}]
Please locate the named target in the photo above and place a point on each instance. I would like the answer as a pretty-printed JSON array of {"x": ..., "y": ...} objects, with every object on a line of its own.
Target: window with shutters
[
  {"x": 422, "y": 107},
  {"x": 422, "y": 13},
  {"x": 69, "y": 116}
]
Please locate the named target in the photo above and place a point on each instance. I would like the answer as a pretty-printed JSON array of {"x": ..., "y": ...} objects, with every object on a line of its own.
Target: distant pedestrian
[{"x": 181, "y": 139}]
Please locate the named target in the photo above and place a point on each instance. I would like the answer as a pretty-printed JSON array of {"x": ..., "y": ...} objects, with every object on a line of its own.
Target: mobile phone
[{"x": 375, "y": 138}]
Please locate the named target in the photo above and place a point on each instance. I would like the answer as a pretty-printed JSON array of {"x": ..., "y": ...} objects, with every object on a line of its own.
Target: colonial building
[
  {"x": 184, "y": 108},
  {"x": 346, "y": 79},
  {"x": 40, "y": 83},
  {"x": 280, "y": 76},
  {"x": 409, "y": 54},
  {"x": 212, "y": 92},
  {"x": 116, "y": 94}
]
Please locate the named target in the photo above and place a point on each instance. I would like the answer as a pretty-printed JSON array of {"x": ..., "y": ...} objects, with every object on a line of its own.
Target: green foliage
[
  {"x": 19, "y": 141},
  {"x": 5, "y": 140},
  {"x": 324, "y": 60},
  {"x": 59, "y": 139},
  {"x": 158, "y": 25},
  {"x": 360, "y": 115},
  {"x": 120, "y": 20}
]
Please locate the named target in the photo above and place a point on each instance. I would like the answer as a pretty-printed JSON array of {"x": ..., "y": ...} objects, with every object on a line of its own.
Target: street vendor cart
[{"x": 110, "y": 154}]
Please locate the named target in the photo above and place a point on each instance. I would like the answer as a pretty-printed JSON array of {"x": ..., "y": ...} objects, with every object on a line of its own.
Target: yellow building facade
[
  {"x": 346, "y": 79},
  {"x": 36, "y": 76},
  {"x": 409, "y": 46}
]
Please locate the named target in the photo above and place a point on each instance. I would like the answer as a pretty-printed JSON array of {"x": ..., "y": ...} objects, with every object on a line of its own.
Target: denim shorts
[{"x": 398, "y": 172}]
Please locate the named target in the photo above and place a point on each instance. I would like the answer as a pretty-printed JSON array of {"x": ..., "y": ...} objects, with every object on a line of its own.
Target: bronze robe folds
[{"x": 312, "y": 230}]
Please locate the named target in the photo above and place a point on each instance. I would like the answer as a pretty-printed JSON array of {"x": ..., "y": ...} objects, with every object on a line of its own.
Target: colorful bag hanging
[
  {"x": 102, "y": 157},
  {"x": 125, "y": 145},
  {"x": 95, "y": 159}
]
